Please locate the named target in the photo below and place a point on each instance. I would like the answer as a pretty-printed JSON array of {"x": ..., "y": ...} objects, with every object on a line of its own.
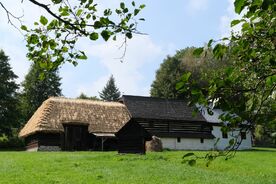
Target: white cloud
[
  {"x": 225, "y": 20},
  {"x": 129, "y": 77},
  {"x": 193, "y": 6}
]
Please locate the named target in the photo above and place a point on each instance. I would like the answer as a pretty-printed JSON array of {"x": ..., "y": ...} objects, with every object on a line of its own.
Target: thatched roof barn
[
  {"x": 76, "y": 124},
  {"x": 101, "y": 117}
]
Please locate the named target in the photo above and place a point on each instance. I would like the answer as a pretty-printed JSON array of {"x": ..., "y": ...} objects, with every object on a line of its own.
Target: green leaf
[
  {"x": 33, "y": 39},
  {"x": 136, "y": 11},
  {"x": 197, "y": 52},
  {"x": 122, "y": 5},
  {"x": 210, "y": 43},
  {"x": 133, "y": 3},
  {"x": 270, "y": 81},
  {"x": 235, "y": 22},
  {"x": 23, "y": 27},
  {"x": 188, "y": 155},
  {"x": 56, "y": 1},
  {"x": 64, "y": 49},
  {"x": 98, "y": 25},
  {"x": 142, "y": 6},
  {"x": 231, "y": 142},
  {"x": 106, "y": 34},
  {"x": 94, "y": 36},
  {"x": 79, "y": 12},
  {"x": 129, "y": 35},
  {"x": 43, "y": 20},
  {"x": 83, "y": 57},
  {"x": 239, "y": 5}
]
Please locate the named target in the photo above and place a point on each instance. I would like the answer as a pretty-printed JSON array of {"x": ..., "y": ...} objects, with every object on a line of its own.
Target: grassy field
[{"x": 250, "y": 167}]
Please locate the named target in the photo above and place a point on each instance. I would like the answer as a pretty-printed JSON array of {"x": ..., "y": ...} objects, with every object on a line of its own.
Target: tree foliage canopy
[
  {"x": 110, "y": 92},
  {"x": 248, "y": 87},
  {"x": 37, "y": 90},
  {"x": 172, "y": 69},
  {"x": 84, "y": 96},
  {"x": 8, "y": 94}
]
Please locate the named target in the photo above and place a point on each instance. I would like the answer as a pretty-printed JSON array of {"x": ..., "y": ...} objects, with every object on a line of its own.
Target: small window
[
  {"x": 178, "y": 139},
  {"x": 201, "y": 140},
  {"x": 224, "y": 135},
  {"x": 243, "y": 135}
]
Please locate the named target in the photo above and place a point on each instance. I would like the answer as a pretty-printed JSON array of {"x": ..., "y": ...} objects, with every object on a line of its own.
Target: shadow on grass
[{"x": 262, "y": 149}]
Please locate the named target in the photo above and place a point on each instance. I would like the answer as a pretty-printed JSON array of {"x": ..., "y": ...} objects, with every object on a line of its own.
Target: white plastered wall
[
  {"x": 224, "y": 142},
  {"x": 187, "y": 144}
]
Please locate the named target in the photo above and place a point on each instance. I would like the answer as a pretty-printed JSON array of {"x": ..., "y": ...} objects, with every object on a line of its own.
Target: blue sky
[{"x": 169, "y": 27}]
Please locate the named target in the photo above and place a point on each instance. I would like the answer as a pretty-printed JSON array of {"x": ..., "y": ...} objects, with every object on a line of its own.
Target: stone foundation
[{"x": 49, "y": 148}]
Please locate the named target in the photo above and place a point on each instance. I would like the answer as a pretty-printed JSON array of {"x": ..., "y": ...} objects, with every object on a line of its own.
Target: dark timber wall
[
  {"x": 177, "y": 128},
  {"x": 44, "y": 140},
  {"x": 131, "y": 138},
  {"x": 75, "y": 137}
]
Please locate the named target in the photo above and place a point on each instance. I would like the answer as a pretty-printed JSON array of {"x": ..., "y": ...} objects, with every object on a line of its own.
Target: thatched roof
[
  {"x": 101, "y": 117},
  {"x": 160, "y": 108}
]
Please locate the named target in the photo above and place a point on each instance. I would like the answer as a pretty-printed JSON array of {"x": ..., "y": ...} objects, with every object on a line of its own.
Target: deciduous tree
[
  {"x": 173, "y": 67},
  {"x": 84, "y": 96},
  {"x": 247, "y": 89}
]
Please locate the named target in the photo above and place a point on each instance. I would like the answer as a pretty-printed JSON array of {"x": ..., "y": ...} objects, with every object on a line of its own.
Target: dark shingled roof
[{"x": 159, "y": 108}]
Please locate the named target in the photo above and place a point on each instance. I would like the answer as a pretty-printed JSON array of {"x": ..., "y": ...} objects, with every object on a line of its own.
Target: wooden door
[{"x": 75, "y": 137}]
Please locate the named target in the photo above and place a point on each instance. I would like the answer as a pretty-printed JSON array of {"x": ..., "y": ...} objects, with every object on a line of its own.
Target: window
[
  {"x": 243, "y": 135},
  {"x": 178, "y": 139},
  {"x": 224, "y": 135},
  {"x": 201, "y": 140}
]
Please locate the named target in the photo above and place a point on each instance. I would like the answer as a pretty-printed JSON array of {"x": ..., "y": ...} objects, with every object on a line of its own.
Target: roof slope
[
  {"x": 101, "y": 117},
  {"x": 158, "y": 108}
]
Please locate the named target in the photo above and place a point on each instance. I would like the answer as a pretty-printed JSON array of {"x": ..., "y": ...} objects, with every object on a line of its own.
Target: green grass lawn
[{"x": 250, "y": 167}]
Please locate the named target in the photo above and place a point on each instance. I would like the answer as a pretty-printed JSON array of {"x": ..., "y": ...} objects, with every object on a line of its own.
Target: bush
[{"x": 11, "y": 143}]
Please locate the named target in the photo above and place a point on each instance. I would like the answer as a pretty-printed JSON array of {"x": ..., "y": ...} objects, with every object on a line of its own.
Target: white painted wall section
[
  {"x": 224, "y": 142},
  {"x": 187, "y": 144}
]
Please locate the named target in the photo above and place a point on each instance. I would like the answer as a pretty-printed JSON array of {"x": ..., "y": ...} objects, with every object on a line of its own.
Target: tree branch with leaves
[
  {"x": 53, "y": 42},
  {"x": 246, "y": 90}
]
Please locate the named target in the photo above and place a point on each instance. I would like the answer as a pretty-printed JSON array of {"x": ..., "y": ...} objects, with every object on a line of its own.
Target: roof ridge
[
  {"x": 87, "y": 101},
  {"x": 156, "y": 98}
]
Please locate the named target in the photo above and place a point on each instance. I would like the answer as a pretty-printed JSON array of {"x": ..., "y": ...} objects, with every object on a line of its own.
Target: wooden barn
[
  {"x": 76, "y": 125},
  {"x": 172, "y": 121},
  {"x": 132, "y": 138}
]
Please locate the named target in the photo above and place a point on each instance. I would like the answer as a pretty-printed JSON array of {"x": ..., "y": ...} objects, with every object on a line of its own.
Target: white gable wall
[{"x": 224, "y": 142}]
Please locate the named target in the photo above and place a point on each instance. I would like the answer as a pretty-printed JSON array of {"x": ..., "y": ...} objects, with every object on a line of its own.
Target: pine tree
[
  {"x": 8, "y": 96},
  {"x": 110, "y": 92},
  {"x": 37, "y": 89}
]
